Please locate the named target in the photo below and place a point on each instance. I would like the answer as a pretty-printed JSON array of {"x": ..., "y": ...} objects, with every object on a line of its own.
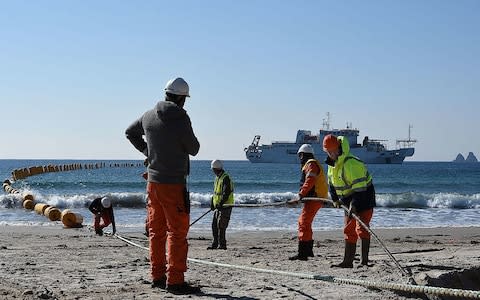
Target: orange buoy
[
  {"x": 40, "y": 208},
  {"x": 28, "y": 196},
  {"x": 71, "y": 219},
  {"x": 28, "y": 204},
  {"x": 52, "y": 213}
]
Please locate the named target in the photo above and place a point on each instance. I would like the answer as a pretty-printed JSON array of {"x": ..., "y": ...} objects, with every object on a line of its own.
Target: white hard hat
[
  {"x": 305, "y": 148},
  {"x": 106, "y": 202},
  {"x": 177, "y": 86},
  {"x": 216, "y": 164}
]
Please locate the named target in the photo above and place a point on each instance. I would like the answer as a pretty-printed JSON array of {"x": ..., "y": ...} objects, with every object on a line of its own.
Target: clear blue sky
[{"x": 75, "y": 74}]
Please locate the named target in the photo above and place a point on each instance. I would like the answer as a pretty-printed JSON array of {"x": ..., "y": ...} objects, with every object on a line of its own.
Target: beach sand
[{"x": 57, "y": 263}]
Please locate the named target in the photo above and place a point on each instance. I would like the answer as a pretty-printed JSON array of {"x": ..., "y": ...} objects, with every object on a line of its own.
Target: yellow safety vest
[
  {"x": 349, "y": 175},
  {"x": 321, "y": 187},
  {"x": 217, "y": 190}
]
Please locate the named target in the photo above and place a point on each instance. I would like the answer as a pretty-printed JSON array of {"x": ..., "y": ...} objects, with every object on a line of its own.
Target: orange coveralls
[
  {"x": 315, "y": 185},
  {"x": 167, "y": 213}
]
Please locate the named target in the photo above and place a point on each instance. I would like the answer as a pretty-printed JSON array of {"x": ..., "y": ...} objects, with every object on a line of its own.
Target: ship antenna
[{"x": 326, "y": 122}]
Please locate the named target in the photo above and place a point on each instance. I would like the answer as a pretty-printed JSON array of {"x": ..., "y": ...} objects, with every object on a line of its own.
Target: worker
[
  {"x": 165, "y": 136},
  {"x": 312, "y": 184},
  {"x": 350, "y": 185},
  {"x": 102, "y": 211},
  {"x": 221, "y": 204}
]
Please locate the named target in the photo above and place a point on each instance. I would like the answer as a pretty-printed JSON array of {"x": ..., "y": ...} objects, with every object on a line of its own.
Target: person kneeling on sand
[
  {"x": 102, "y": 209},
  {"x": 222, "y": 195}
]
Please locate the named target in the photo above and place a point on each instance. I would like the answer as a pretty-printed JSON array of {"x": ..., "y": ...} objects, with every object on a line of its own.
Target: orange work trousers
[
  {"x": 168, "y": 221},
  {"x": 305, "y": 220},
  {"x": 353, "y": 230},
  {"x": 105, "y": 218}
]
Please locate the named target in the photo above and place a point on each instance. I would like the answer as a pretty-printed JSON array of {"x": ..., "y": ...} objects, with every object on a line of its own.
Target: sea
[{"x": 412, "y": 194}]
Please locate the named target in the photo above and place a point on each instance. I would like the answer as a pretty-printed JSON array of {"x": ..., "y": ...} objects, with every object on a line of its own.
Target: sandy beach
[{"x": 57, "y": 263}]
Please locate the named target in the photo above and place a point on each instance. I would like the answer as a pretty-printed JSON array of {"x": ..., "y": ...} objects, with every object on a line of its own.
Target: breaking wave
[{"x": 137, "y": 200}]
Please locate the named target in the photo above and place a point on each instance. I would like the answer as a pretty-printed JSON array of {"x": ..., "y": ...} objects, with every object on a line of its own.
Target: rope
[
  {"x": 431, "y": 290},
  {"x": 257, "y": 205}
]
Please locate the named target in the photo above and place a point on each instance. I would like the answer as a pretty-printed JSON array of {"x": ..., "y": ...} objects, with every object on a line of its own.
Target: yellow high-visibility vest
[{"x": 217, "y": 189}]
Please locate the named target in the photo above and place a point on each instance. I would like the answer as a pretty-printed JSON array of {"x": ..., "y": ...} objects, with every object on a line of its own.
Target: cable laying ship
[{"x": 371, "y": 151}]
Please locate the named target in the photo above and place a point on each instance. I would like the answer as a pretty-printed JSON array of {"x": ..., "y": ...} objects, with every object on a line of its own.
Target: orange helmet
[{"x": 330, "y": 143}]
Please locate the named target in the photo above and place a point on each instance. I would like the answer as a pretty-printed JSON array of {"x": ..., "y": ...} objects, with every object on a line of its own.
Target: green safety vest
[
  {"x": 217, "y": 190},
  {"x": 349, "y": 175}
]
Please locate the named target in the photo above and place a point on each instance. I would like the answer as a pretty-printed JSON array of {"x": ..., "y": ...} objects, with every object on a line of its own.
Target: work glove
[
  {"x": 145, "y": 162},
  {"x": 219, "y": 206},
  {"x": 337, "y": 204},
  {"x": 352, "y": 210},
  {"x": 294, "y": 201},
  {"x": 145, "y": 175}
]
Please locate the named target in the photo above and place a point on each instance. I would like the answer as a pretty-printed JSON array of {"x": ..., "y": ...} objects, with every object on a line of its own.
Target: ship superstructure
[{"x": 371, "y": 151}]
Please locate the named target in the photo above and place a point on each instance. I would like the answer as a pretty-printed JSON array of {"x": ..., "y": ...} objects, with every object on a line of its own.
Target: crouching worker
[
  {"x": 102, "y": 209},
  {"x": 312, "y": 184},
  {"x": 350, "y": 185},
  {"x": 222, "y": 198}
]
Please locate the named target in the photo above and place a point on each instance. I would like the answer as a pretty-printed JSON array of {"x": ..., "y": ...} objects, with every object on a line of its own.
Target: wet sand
[{"x": 57, "y": 263}]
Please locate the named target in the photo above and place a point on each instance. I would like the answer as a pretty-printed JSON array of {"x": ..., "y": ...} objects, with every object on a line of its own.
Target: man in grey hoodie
[{"x": 165, "y": 136}]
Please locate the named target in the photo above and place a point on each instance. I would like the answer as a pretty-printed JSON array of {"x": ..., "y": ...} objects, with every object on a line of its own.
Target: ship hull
[{"x": 287, "y": 153}]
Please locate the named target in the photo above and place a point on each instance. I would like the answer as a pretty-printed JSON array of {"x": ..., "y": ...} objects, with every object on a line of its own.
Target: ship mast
[
  {"x": 326, "y": 122},
  {"x": 408, "y": 142}
]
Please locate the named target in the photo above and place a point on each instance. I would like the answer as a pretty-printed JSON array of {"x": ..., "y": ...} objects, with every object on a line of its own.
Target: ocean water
[{"x": 414, "y": 194}]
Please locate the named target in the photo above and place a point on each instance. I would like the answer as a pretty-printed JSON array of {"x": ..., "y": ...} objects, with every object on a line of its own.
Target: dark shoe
[
  {"x": 99, "y": 232},
  {"x": 347, "y": 262},
  {"x": 223, "y": 247},
  {"x": 310, "y": 249},
  {"x": 160, "y": 283},
  {"x": 183, "y": 289},
  {"x": 212, "y": 247},
  {"x": 298, "y": 257},
  {"x": 302, "y": 251},
  {"x": 343, "y": 264},
  {"x": 365, "y": 249}
]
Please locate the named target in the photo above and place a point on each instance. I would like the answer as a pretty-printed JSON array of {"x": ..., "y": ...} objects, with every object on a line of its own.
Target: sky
[{"x": 75, "y": 74}]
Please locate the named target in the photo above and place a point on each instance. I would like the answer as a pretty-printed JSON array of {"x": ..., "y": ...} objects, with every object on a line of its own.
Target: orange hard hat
[{"x": 330, "y": 143}]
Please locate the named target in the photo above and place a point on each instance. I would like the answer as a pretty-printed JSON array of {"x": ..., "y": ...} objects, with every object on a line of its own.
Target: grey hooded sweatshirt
[{"x": 169, "y": 140}]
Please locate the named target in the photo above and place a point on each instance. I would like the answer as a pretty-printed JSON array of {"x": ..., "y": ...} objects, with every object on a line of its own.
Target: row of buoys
[
  {"x": 123, "y": 165},
  {"x": 36, "y": 170},
  {"x": 7, "y": 187},
  {"x": 18, "y": 174},
  {"x": 68, "y": 217}
]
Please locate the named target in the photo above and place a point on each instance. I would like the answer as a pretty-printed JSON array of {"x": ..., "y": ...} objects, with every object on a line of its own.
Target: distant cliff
[{"x": 470, "y": 158}]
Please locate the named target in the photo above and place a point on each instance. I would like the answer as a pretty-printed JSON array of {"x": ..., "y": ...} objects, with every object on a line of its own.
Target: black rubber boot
[
  {"x": 310, "y": 249},
  {"x": 302, "y": 251},
  {"x": 160, "y": 283},
  {"x": 213, "y": 246},
  {"x": 365, "y": 250},
  {"x": 183, "y": 289},
  {"x": 348, "y": 257}
]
